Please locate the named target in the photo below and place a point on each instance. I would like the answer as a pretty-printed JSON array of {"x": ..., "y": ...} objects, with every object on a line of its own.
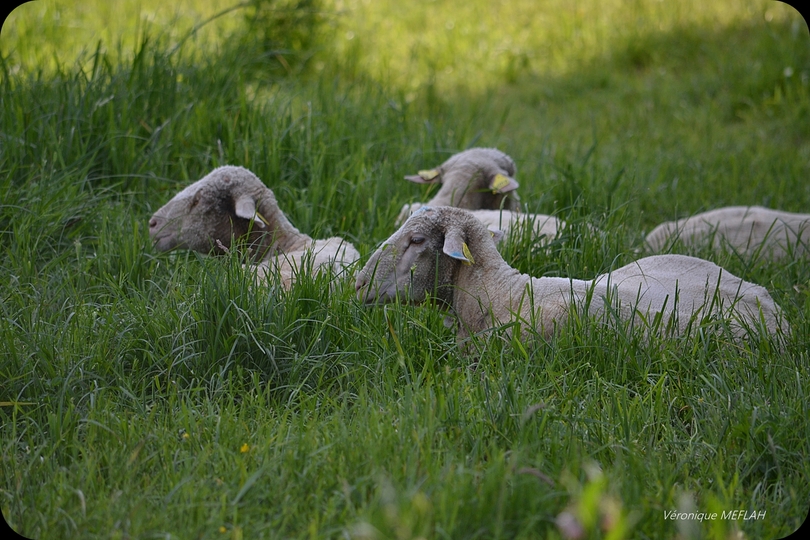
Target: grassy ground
[{"x": 147, "y": 395}]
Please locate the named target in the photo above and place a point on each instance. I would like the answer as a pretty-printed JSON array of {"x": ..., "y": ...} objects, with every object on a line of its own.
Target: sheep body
[
  {"x": 448, "y": 255},
  {"x": 232, "y": 203},
  {"x": 748, "y": 230},
  {"x": 334, "y": 253},
  {"x": 542, "y": 225}
]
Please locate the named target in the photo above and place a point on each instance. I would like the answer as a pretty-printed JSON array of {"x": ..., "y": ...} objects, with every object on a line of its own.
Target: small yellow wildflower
[
  {"x": 222, "y": 529},
  {"x": 245, "y": 448},
  {"x": 186, "y": 435}
]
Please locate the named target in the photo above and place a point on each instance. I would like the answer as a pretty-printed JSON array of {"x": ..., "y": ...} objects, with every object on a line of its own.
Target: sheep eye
[{"x": 417, "y": 240}]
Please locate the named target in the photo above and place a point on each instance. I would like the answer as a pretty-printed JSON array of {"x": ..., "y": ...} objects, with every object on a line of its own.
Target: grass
[{"x": 162, "y": 395}]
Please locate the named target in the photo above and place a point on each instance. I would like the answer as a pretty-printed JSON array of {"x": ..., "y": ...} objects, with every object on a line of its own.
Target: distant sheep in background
[
  {"x": 481, "y": 180},
  {"x": 478, "y": 178},
  {"x": 447, "y": 254},
  {"x": 232, "y": 203},
  {"x": 748, "y": 230}
]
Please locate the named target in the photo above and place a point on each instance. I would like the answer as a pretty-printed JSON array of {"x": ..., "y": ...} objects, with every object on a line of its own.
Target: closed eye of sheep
[
  {"x": 232, "y": 203},
  {"x": 447, "y": 255}
]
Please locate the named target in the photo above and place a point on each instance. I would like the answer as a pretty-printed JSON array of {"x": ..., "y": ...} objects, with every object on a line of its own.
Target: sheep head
[
  {"x": 478, "y": 178},
  {"x": 228, "y": 203},
  {"x": 423, "y": 257}
]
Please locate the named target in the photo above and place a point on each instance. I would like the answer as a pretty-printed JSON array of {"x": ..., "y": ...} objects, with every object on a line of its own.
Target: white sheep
[
  {"x": 231, "y": 203},
  {"x": 747, "y": 230},
  {"x": 482, "y": 181},
  {"x": 478, "y": 178},
  {"x": 449, "y": 256}
]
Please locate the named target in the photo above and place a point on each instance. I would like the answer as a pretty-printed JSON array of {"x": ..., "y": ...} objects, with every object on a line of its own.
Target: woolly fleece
[{"x": 447, "y": 254}]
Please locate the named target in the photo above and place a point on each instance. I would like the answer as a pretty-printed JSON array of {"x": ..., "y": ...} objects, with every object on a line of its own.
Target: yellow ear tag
[
  {"x": 428, "y": 175},
  {"x": 499, "y": 182},
  {"x": 262, "y": 219},
  {"x": 465, "y": 250}
]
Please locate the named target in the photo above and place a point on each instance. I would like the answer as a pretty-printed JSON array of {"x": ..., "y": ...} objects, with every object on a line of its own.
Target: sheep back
[{"x": 747, "y": 230}]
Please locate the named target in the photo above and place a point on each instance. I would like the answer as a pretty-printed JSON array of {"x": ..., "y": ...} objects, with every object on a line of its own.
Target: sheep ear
[
  {"x": 424, "y": 177},
  {"x": 457, "y": 248},
  {"x": 497, "y": 235},
  {"x": 500, "y": 183},
  {"x": 245, "y": 207}
]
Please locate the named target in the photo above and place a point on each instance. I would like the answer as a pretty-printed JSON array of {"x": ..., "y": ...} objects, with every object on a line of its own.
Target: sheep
[
  {"x": 232, "y": 203},
  {"x": 481, "y": 180},
  {"x": 748, "y": 230},
  {"x": 477, "y": 178},
  {"x": 447, "y": 255}
]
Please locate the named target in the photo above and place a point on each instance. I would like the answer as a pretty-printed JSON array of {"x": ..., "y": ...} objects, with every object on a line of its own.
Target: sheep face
[
  {"x": 478, "y": 178},
  {"x": 420, "y": 260},
  {"x": 206, "y": 215}
]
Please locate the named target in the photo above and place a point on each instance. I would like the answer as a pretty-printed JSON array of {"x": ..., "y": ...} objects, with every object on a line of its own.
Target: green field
[{"x": 147, "y": 395}]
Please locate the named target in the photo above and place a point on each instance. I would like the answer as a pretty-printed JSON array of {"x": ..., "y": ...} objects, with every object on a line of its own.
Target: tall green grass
[{"x": 165, "y": 395}]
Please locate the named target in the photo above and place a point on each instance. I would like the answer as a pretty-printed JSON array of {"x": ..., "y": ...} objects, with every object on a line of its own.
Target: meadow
[{"x": 147, "y": 395}]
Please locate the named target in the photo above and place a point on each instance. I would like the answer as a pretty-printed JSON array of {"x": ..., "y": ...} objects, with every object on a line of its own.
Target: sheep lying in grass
[
  {"x": 478, "y": 178},
  {"x": 448, "y": 255},
  {"x": 481, "y": 180},
  {"x": 231, "y": 203},
  {"x": 748, "y": 230}
]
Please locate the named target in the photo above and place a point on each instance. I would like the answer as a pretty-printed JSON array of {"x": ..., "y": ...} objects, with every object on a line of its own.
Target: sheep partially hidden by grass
[
  {"x": 747, "y": 230},
  {"x": 231, "y": 203},
  {"x": 482, "y": 181},
  {"x": 478, "y": 178},
  {"x": 448, "y": 255}
]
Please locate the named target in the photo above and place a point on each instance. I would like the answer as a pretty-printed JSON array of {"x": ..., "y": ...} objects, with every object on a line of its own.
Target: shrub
[{"x": 288, "y": 31}]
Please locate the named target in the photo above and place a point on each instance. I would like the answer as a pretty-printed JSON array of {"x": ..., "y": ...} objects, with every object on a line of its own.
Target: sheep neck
[
  {"x": 465, "y": 186},
  {"x": 492, "y": 293},
  {"x": 485, "y": 291},
  {"x": 485, "y": 294},
  {"x": 280, "y": 235}
]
